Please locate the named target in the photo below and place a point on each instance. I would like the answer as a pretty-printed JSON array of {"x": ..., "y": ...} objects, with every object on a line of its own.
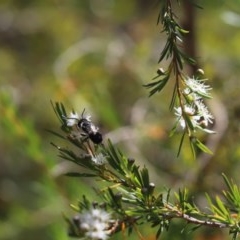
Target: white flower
[
  {"x": 95, "y": 223},
  {"x": 100, "y": 214},
  {"x": 190, "y": 111},
  {"x": 198, "y": 86},
  {"x": 72, "y": 119},
  {"x": 87, "y": 117},
  {"x": 205, "y": 116},
  {"x": 99, "y": 159},
  {"x": 192, "y": 96},
  {"x": 198, "y": 114}
]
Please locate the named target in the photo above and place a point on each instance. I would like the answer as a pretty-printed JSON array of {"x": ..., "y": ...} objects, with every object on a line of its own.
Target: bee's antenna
[{"x": 83, "y": 113}]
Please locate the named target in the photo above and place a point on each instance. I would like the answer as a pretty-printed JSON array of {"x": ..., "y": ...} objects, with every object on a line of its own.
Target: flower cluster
[
  {"x": 94, "y": 223},
  {"x": 193, "y": 110},
  {"x": 197, "y": 87}
]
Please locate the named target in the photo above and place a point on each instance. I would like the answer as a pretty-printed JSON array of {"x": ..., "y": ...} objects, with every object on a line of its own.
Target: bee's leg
[{"x": 85, "y": 139}]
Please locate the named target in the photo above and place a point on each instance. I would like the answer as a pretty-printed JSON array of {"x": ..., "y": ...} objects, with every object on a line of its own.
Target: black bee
[{"x": 89, "y": 129}]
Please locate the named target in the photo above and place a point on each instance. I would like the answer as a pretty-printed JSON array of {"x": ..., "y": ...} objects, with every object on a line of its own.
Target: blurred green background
[{"x": 96, "y": 54}]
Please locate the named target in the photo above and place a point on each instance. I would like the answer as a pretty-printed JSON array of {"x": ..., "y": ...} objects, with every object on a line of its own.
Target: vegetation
[{"x": 98, "y": 57}]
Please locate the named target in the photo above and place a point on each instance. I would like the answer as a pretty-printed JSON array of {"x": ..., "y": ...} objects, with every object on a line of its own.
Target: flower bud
[
  {"x": 151, "y": 188},
  {"x": 130, "y": 162},
  {"x": 160, "y": 71},
  {"x": 200, "y": 71}
]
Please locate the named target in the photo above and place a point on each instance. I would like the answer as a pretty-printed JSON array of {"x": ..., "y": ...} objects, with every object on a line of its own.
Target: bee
[
  {"x": 85, "y": 124},
  {"x": 89, "y": 129}
]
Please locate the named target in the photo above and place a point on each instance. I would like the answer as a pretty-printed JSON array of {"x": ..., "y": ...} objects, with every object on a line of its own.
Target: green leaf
[
  {"x": 165, "y": 52},
  {"x": 188, "y": 121},
  {"x": 56, "y": 134},
  {"x": 194, "y": 228},
  {"x": 182, "y": 30},
  {"x": 181, "y": 143},
  {"x": 76, "y": 174},
  {"x": 193, "y": 147},
  {"x": 187, "y": 58},
  {"x": 233, "y": 194},
  {"x": 60, "y": 111},
  {"x": 210, "y": 203},
  {"x": 222, "y": 207},
  {"x": 145, "y": 177},
  {"x": 193, "y": 2},
  {"x": 174, "y": 128},
  {"x": 159, "y": 232},
  {"x": 228, "y": 183},
  {"x": 173, "y": 99},
  {"x": 157, "y": 86},
  {"x": 114, "y": 157},
  {"x": 201, "y": 146},
  {"x": 137, "y": 176}
]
